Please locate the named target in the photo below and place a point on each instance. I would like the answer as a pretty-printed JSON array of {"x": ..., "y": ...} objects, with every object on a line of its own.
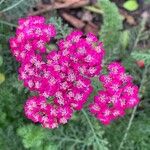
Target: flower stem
[
  {"x": 1, "y": 1},
  {"x": 143, "y": 22},
  {"x": 91, "y": 126},
  {"x": 7, "y": 23},
  {"x": 11, "y": 7},
  {"x": 134, "y": 111}
]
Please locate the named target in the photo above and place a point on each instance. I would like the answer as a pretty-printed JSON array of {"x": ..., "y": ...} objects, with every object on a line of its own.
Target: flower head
[
  {"x": 118, "y": 95},
  {"x": 85, "y": 53},
  {"x": 62, "y": 78}
]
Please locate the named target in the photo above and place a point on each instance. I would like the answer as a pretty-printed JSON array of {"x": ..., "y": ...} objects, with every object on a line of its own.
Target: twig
[
  {"x": 8, "y": 23},
  {"x": 11, "y": 7},
  {"x": 143, "y": 22},
  {"x": 134, "y": 110},
  {"x": 57, "y": 5},
  {"x": 77, "y": 23},
  {"x": 91, "y": 126},
  {"x": 94, "y": 9}
]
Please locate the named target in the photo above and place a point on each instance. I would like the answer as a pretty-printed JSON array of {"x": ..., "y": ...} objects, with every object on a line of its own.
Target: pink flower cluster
[
  {"x": 60, "y": 77},
  {"x": 29, "y": 48},
  {"x": 31, "y": 37},
  {"x": 39, "y": 110},
  {"x": 118, "y": 95},
  {"x": 84, "y": 53}
]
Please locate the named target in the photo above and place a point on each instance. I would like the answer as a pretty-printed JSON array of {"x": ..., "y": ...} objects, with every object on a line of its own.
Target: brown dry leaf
[
  {"x": 75, "y": 3},
  {"x": 77, "y": 23},
  {"x": 66, "y": 1},
  {"x": 129, "y": 19},
  {"x": 91, "y": 27},
  {"x": 58, "y": 5},
  {"x": 80, "y": 3}
]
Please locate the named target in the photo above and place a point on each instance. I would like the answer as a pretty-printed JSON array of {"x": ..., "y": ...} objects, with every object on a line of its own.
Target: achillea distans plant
[
  {"x": 51, "y": 74},
  {"x": 62, "y": 78},
  {"x": 118, "y": 95},
  {"x": 85, "y": 53},
  {"x": 39, "y": 110}
]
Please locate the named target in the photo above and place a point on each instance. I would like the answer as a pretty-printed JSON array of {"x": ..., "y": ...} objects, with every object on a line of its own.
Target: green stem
[
  {"x": 11, "y": 7},
  {"x": 1, "y": 1},
  {"x": 94, "y": 9},
  {"x": 91, "y": 126},
  {"x": 143, "y": 22},
  {"x": 7, "y": 23},
  {"x": 69, "y": 139},
  {"x": 133, "y": 112}
]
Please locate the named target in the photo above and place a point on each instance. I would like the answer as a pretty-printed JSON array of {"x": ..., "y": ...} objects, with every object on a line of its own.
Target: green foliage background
[{"x": 83, "y": 132}]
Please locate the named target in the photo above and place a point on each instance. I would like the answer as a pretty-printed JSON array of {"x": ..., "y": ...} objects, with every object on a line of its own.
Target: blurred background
[{"x": 124, "y": 27}]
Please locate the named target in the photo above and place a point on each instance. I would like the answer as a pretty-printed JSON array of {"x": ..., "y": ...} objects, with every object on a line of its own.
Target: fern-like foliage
[
  {"x": 62, "y": 29},
  {"x": 138, "y": 34},
  {"x": 138, "y": 137},
  {"x": 9, "y": 140},
  {"x": 32, "y": 135},
  {"x": 14, "y": 9},
  {"x": 9, "y": 64},
  {"x": 75, "y": 135},
  {"x": 139, "y": 134},
  {"x": 145, "y": 35},
  {"x": 112, "y": 24},
  {"x": 145, "y": 56},
  {"x": 11, "y": 105}
]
